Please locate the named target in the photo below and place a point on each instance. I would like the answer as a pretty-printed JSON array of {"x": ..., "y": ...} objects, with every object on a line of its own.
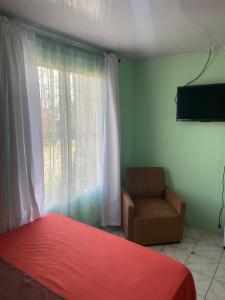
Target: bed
[{"x": 68, "y": 260}]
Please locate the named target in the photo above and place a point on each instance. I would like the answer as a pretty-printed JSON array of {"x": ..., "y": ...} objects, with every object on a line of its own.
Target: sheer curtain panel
[
  {"x": 21, "y": 160},
  {"x": 59, "y": 127},
  {"x": 111, "y": 205},
  {"x": 72, "y": 90}
]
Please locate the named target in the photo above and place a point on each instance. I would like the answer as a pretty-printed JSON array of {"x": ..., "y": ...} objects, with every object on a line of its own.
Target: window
[{"x": 72, "y": 126}]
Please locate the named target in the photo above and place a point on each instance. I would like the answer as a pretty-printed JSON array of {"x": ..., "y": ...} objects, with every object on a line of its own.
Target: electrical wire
[
  {"x": 222, "y": 199},
  {"x": 200, "y": 74}
]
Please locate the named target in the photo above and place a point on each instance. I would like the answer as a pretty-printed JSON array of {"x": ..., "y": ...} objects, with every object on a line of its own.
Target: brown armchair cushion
[
  {"x": 154, "y": 210},
  {"x": 145, "y": 182}
]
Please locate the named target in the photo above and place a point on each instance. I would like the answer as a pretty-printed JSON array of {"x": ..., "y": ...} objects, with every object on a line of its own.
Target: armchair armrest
[
  {"x": 175, "y": 201},
  {"x": 128, "y": 215},
  {"x": 178, "y": 204}
]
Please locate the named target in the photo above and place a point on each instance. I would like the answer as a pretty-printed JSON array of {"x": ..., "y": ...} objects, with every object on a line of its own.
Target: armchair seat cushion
[{"x": 155, "y": 210}]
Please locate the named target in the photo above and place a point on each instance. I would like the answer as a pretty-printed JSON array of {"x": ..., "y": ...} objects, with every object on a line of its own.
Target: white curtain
[
  {"x": 21, "y": 161},
  {"x": 111, "y": 205},
  {"x": 80, "y": 124},
  {"x": 59, "y": 127},
  {"x": 72, "y": 104}
]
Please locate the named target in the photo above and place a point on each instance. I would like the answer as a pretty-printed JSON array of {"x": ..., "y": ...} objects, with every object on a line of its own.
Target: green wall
[{"x": 192, "y": 153}]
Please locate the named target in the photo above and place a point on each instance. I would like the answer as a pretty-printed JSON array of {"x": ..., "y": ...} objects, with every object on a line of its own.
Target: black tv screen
[{"x": 201, "y": 103}]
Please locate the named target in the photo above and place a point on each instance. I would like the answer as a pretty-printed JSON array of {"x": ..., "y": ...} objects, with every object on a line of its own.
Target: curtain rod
[{"x": 44, "y": 31}]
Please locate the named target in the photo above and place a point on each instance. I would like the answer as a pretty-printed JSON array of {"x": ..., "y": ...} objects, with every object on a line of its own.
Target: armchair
[{"x": 151, "y": 212}]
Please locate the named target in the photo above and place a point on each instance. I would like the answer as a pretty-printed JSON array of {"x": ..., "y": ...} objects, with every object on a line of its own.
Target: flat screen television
[{"x": 201, "y": 103}]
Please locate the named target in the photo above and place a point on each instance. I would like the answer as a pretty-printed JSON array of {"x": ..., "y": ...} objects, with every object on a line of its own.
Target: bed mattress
[{"x": 77, "y": 261}]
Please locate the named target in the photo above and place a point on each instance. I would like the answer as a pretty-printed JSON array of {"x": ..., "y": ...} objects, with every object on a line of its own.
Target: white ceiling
[{"x": 139, "y": 28}]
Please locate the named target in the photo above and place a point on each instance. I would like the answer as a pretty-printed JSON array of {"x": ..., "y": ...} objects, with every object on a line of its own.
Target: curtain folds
[
  {"x": 111, "y": 205},
  {"x": 72, "y": 101},
  {"x": 80, "y": 123},
  {"x": 21, "y": 160},
  {"x": 59, "y": 127}
]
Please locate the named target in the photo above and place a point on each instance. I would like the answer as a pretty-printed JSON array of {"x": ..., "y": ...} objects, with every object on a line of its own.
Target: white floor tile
[
  {"x": 193, "y": 233},
  {"x": 208, "y": 251},
  {"x": 212, "y": 239},
  {"x": 216, "y": 291},
  {"x": 203, "y": 265},
  {"x": 187, "y": 243},
  {"x": 156, "y": 247},
  {"x": 223, "y": 257},
  {"x": 220, "y": 273},
  {"x": 202, "y": 283},
  {"x": 176, "y": 253}
]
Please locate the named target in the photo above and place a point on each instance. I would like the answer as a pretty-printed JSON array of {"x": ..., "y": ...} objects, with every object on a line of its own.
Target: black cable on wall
[
  {"x": 222, "y": 199},
  {"x": 200, "y": 74}
]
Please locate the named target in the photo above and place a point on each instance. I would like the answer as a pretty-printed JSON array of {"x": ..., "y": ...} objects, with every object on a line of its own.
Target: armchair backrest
[{"x": 146, "y": 182}]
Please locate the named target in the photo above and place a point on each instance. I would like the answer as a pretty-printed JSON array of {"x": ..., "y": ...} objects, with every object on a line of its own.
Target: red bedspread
[{"x": 80, "y": 262}]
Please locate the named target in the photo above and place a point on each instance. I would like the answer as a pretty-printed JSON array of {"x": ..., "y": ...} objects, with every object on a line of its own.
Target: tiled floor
[{"x": 203, "y": 254}]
